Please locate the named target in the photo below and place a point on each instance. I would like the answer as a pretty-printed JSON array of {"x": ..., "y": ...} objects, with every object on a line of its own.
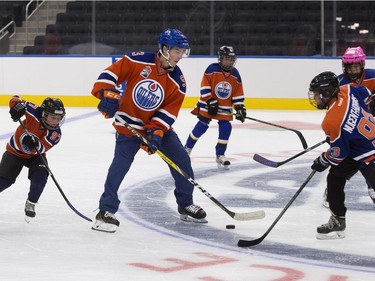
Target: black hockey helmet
[
  {"x": 226, "y": 52},
  {"x": 323, "y": 89},
  {"x": 53, "y": 113}
]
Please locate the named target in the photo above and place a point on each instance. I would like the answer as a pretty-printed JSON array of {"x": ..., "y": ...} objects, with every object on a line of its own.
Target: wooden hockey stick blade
[
  {"x": 256, "y": 215},
  {"x": 249, "y": 243},
  {"x": 262, "y": 160}
]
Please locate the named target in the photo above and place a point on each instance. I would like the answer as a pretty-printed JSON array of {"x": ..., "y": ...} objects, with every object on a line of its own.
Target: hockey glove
[
  {"x": 109, "y": 102},
  {"x": 154, "y": 137},
  {"x": 240, "y": 112},
  {"x": 321, "y": 163},
  {"x": 30, "y": 142},
  {"x": 17, "y": 111},
  {"x": 212, "y": 106}
]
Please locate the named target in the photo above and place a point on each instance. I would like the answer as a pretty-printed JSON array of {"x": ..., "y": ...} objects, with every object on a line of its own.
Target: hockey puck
[{"x": 230, "y": 226}]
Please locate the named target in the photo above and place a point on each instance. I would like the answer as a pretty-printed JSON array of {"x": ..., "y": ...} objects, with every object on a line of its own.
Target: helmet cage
[
  {"x": 226, "y": 52},
  {"x": 55, "y": 108},
  {"x": 174, "y": 38}
]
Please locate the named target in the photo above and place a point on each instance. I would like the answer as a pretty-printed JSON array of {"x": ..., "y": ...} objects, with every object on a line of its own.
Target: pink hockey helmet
[{"x": 354, "y": 55}]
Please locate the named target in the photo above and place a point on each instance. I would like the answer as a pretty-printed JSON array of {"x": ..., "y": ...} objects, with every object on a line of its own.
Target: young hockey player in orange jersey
[
  {"x": 354, "y": 73},
  {"x": 155, "y": 90},
  {"x": 221, "y": 89},
  {"x": 351, "y": 131},
  {"x": 43, "y": 126}
]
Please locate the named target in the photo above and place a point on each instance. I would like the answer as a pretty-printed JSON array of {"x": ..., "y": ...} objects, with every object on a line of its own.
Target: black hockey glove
[
  {"x": 212, "y": 106},
  {"x": 240, "y": 112},
  {"x": 154, "y": 137},
  {"x": 30, "y": 142},
  {"x": 321, "y": 163},
  {"x": 109, "y": 102},
  {"x": 17, "y": 111}
]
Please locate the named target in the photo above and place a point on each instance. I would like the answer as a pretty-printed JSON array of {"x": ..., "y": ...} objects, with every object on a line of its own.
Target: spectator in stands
[{"x": 51, "y": 44}]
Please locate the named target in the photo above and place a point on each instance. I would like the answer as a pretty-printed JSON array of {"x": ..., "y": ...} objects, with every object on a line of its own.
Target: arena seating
[
  {"x": 13, "y": 11},
  {"x": 263, "y": 28}
]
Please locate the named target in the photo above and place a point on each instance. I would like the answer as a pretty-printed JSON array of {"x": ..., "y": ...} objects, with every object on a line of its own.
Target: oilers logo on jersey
[
  {"x": 148, "y": 95},
  {"x": 223, "y": 90}
]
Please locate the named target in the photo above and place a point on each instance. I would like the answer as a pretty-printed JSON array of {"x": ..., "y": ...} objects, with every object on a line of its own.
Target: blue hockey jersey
[{"x": 350, "y": 126}]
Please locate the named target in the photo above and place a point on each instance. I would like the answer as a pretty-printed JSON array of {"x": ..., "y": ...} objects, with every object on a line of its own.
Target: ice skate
[
  {"x": 105, "y": 221},
  {"x": 325, "y": 200},
  {"x": 188, "y": 150},
  {"x": 29, "y": 211},
  {"x": 334, "y": 229},
  {"x": 222, "y": 162},
  {"x": 192, "y": 213},
  {"x": 371, "y": 193}
]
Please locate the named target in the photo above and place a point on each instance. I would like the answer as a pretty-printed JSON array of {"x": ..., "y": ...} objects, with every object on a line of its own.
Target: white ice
[{"x": 152, "y": 243}]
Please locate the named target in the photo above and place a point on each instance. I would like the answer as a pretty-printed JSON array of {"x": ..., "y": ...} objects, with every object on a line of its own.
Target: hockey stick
[
  {"x": 274, "y": 164},
  {"x": 299, "y": 134},
  {"x": 237, "y": 216},
  {"x": 249, "y": 243},
  {"x": 53, "y": 177}
]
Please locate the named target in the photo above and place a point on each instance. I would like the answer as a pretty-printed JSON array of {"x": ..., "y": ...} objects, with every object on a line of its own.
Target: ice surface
[{"x": 152, "y": 243}]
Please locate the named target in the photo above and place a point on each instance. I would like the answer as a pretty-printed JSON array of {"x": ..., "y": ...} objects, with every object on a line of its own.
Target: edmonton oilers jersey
[
  {"x": 47, "y": 138},
  {"x": 350, "y": 126},
  {"x": 152, "y": 97},
  {"x": 227, "y": 90}
]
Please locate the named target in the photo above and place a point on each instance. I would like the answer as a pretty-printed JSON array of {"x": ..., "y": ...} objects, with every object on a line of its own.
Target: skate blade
[
  {"x": 28, "y": 219},
  {"x": 104, "y": 227},
  {"x": 331, "y": 236},
  {"x": 187, "y": 218},
  {"x": 371, "y": 193},
  {"x": 223, "y": 167}
]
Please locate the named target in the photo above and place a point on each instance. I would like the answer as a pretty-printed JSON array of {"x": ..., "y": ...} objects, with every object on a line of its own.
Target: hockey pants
[
  {"x": 11, "y": 166},
  {"x": 125, "y": 150}
]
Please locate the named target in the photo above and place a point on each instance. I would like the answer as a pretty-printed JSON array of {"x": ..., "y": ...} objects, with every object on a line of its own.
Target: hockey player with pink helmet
[
  {"x": 354, "y": 73},
  {"x": 353, "y": 64}
]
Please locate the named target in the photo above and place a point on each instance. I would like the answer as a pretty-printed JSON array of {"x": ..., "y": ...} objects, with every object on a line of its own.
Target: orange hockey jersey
[
  {"x": 47, "y": 138},
  {"x": 152, "y": 96},
  {"x": 227, "y": 90},
  {"x": 350, "y": 127}
]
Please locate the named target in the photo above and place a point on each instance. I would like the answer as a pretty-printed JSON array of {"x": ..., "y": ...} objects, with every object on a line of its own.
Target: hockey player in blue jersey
[
  {"x": 354, "y": 73},
  {"x": 351, "y": 130}
]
